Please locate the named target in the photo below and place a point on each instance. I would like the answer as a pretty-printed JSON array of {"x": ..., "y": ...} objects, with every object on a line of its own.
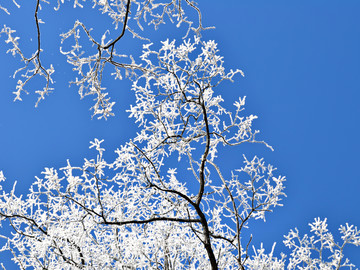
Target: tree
[{"x": 164, "y": 202}]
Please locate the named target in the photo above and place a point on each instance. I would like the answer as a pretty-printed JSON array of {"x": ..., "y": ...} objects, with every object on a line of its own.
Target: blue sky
[{"x": 301, "y": 61}]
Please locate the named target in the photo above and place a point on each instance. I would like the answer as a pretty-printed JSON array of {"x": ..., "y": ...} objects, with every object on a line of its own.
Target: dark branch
[
  {"x": 123, "y": 30},
  {"x": 120, "y": 223}
]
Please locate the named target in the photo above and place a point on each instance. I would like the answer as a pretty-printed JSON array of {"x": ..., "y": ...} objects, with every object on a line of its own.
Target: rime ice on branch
[
  {"x": 140, "y": 211},
  {"x": 90, "y": 65}
]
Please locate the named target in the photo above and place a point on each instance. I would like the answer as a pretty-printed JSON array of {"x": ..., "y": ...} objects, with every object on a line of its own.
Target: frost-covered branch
[
  {"x": 146, "y": 209},
  {"x": 320, "y": 251},
  {"x": 6, "y": 10},
  {"x": 90, "y": 67},
  {"x": 33, "y": 66}
]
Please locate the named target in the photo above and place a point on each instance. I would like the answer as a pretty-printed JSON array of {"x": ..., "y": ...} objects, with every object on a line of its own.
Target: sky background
[{"x": 301, "y": 61}]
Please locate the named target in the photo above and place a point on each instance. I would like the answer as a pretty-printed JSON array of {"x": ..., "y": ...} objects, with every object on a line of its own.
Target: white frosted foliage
[{"x": 166, "y": 201}]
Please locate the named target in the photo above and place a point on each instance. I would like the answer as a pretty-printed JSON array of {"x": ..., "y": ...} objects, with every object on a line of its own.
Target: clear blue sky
[{"x": 301, "y": 61}]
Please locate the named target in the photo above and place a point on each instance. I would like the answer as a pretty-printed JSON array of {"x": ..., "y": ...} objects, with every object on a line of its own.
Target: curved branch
[{"x": 123, "y": 30}]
